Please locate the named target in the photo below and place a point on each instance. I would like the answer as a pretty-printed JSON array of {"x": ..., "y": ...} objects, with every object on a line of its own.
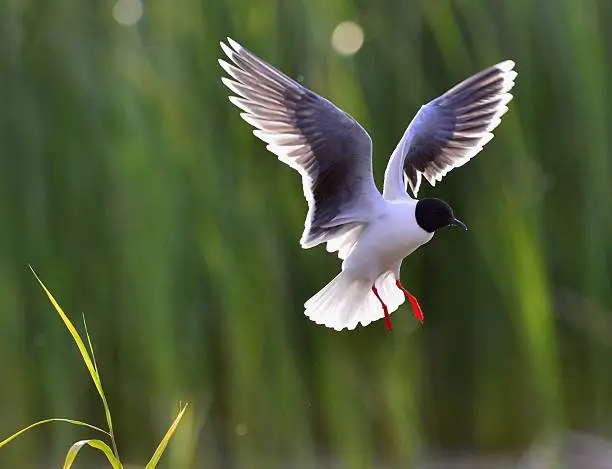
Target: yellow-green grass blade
[
  {"x": 152, "y": 464},
  {"x": 85, "y": 355},
  {"x": 98, "y": 444},
  {"x": 91, "y": 350},
  {"x": 42, "y": 422}
]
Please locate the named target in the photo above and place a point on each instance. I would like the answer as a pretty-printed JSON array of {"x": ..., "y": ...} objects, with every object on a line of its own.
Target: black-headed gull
[{"x": 372, "y": 232}]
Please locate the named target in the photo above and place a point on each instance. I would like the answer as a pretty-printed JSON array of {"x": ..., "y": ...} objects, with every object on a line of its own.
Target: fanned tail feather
[{"x": 346, "y": 302}]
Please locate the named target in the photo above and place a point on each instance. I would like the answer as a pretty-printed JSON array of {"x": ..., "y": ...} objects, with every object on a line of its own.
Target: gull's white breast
[{"x": 388, "y": 239}]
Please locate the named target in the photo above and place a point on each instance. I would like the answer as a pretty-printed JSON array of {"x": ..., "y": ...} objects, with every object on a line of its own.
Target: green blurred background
[{"x": 140, "y": 197}]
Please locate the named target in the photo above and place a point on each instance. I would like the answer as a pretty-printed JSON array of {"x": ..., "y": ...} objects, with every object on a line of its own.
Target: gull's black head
[{"x": 432, "y": 214}]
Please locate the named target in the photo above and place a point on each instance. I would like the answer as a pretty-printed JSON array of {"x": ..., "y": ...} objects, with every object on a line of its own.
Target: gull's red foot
[
  {"x": 388, "y": 325},
  {"x": 418, "y": 313}
]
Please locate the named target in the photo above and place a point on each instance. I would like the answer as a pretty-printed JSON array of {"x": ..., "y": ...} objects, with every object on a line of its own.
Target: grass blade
[
  {"x": 91, "y": 350},
  {"x": 152, "y": 464},
  {"x": 98, "y": 444},
  {"x": 86, "y": 358},
  {"x": 42, "y": 422}
]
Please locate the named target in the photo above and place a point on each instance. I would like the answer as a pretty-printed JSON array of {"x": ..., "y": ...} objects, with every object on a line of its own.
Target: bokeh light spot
[
  {"x": 127, "y": 12},
  {"x": 241, "y": 429},
  {"x": 347, "y": 38}
]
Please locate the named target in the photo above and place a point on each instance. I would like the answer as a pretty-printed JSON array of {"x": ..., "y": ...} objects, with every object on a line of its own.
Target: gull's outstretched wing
[
  {"x": 448, "y": 131},
  {"x": 331, "y": 151}
]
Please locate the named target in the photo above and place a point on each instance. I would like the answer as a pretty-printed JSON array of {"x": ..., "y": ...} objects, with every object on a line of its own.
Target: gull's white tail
[{"x": 345, "y": 302}]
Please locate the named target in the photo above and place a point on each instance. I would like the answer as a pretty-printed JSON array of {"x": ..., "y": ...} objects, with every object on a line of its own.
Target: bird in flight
[{"x": 371, "y": 232}]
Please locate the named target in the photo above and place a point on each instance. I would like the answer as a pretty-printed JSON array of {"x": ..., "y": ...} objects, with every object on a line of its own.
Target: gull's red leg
[
  {"x": 418, "y": 313},
  {"x": 388, "y": 325}
]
